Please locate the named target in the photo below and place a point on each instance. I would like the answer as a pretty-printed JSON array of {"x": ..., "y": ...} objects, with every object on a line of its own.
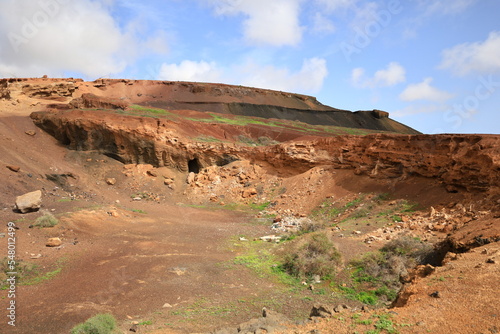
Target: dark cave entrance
[{"x": 194, "y": 166}]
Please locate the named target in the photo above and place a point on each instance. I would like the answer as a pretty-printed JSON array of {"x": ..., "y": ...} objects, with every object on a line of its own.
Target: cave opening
[{"x": 194, "y": 166}]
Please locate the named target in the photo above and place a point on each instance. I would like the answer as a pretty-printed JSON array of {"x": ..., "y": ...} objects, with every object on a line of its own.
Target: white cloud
[
  {"x": 424, "y": 91},
  {"x": 332, "y": 5},
  {"x": 273, "y": 23},
  {"x": 392, "y": 75},
  {"x": 446, "y": 6},
  {"x": 322, "y": 24},
  {"x": 189, "y": 70},
  {"x": 57, "y": 36},
  {"x": 482, "y": 57},
  {"x": 308, "y": 79}
]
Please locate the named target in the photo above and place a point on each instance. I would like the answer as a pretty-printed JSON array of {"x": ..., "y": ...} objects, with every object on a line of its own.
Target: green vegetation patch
[
  {"x": 47, "y": 220},
  {"x": 315, "y": 255},
  {"x": 375, "y": 277},
  {"x": 98, "y": 324}
]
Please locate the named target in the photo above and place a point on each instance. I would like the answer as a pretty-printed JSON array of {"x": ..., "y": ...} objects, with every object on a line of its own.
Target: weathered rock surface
[
  {"x": 29, "y": 202},
  {"x": 464, "y": 162}
]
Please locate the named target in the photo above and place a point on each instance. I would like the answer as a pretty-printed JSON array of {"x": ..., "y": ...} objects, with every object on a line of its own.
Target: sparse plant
[
  {"x": 47, "y": 220},
  {"x": 317, "y": 256},
  {"x": 378, "y": 273},
  {"x": 98, "y": 324}
]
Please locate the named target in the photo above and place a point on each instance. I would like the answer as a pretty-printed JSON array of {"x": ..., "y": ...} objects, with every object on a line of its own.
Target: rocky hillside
[
  {"x": 218, "y": 98},
  {"x": 187, "y": 208}
]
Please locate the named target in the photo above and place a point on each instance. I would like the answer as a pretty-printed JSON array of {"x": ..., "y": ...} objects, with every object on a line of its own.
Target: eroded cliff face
[{"x": 459, "y": 162}]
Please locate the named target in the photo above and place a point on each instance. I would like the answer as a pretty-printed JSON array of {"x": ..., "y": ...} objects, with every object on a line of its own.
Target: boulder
[
  {"x": 53, "y": 242},
  {"x": 29, "y": 202},
  {"x": 322, "y": 311}
]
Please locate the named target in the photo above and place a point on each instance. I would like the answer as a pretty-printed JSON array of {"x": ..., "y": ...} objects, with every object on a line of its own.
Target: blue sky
[{"x": 434, "y": 65}]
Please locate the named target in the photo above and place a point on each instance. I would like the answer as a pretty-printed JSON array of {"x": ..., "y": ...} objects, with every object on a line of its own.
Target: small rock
[
  {"x": 322, "y": 311},
  {"x": 167, "y": 305},
  {"x": 339, "y": 308},
  {"x": 30, "y": 132},
  {"x": 491, "y": 260},
  {"x": 53, "y": 242},
  {"x": 137, "y": 198},
  {"x": 111, "y": 181},
  {"x": 435, "y": 294},
  {"x": 29, "y": 202},
  {"x": 152, "y": 173},
  {"x": 133, "y": 328},
  {"x": 243, "y": 239},
  {"x": 250, "y": 192},
  {"x": 168, "y": 182},
  {"x": 33, "y": 256},
  {"x": 15, "y": 169},
  {"x": 317, "y": 279}
]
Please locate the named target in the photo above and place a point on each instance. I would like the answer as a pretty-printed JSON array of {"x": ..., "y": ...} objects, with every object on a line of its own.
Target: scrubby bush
[
  {"x": 381, "y": 271},
  {"x": 47, "y": 220},
  {"x": 316, "y": 256},
  {"x": 98, "y": 324}
]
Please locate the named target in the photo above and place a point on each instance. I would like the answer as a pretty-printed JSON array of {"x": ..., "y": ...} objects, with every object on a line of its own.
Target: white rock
[{"x": 29, "y": 202}]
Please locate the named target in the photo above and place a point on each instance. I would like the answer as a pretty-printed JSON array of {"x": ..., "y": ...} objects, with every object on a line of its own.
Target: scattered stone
[
  {"x": 168, "y": 182},
  {"x": 113, "y": 213},
  {"x": 250, "y": 192},
  {"x": 365, "y": 308},
  {"x": 270, "y": 238},
  {"x": 30, "y": 132},
  {"x": 137, "y": 198},
  {"x": 317, "y": 279},
  {"x": 152, "y": 173},
  {"x": 491, "y": 260},
  {"x": 167, "y": 305},
  {"x": 29, "y": 202},
  {"x": 356, "y": 232},
  {"x": 243, "y": 239},
  {"x": 321, "y": 311},
  {"x": 33, "y": 256},
  {"x": 340, "y": 308},
  {"x": 111, "y": 181},
  {"x": 53, "y": 242},
  {"x": 15, "y": 169},
  {"x": 133, "y": 328},
  {"x": 435, "y": 294},
  {"x": 2, "y": 235}
]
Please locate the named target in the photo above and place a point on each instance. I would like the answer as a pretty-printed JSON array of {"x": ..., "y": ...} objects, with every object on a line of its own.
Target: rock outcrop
[{"x": 459, "y": 162}]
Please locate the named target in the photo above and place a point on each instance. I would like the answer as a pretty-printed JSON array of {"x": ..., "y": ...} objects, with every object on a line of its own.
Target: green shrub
[
  {"x": 98, "y": 324},
  {"x": 317, "y": 256},
  {"x": 47, "y": 220},
  {"x": 379, "y": 272}
]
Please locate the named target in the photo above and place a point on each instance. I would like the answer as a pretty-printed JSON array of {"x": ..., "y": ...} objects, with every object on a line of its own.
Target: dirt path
[{"x": 129, "y": 266}]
